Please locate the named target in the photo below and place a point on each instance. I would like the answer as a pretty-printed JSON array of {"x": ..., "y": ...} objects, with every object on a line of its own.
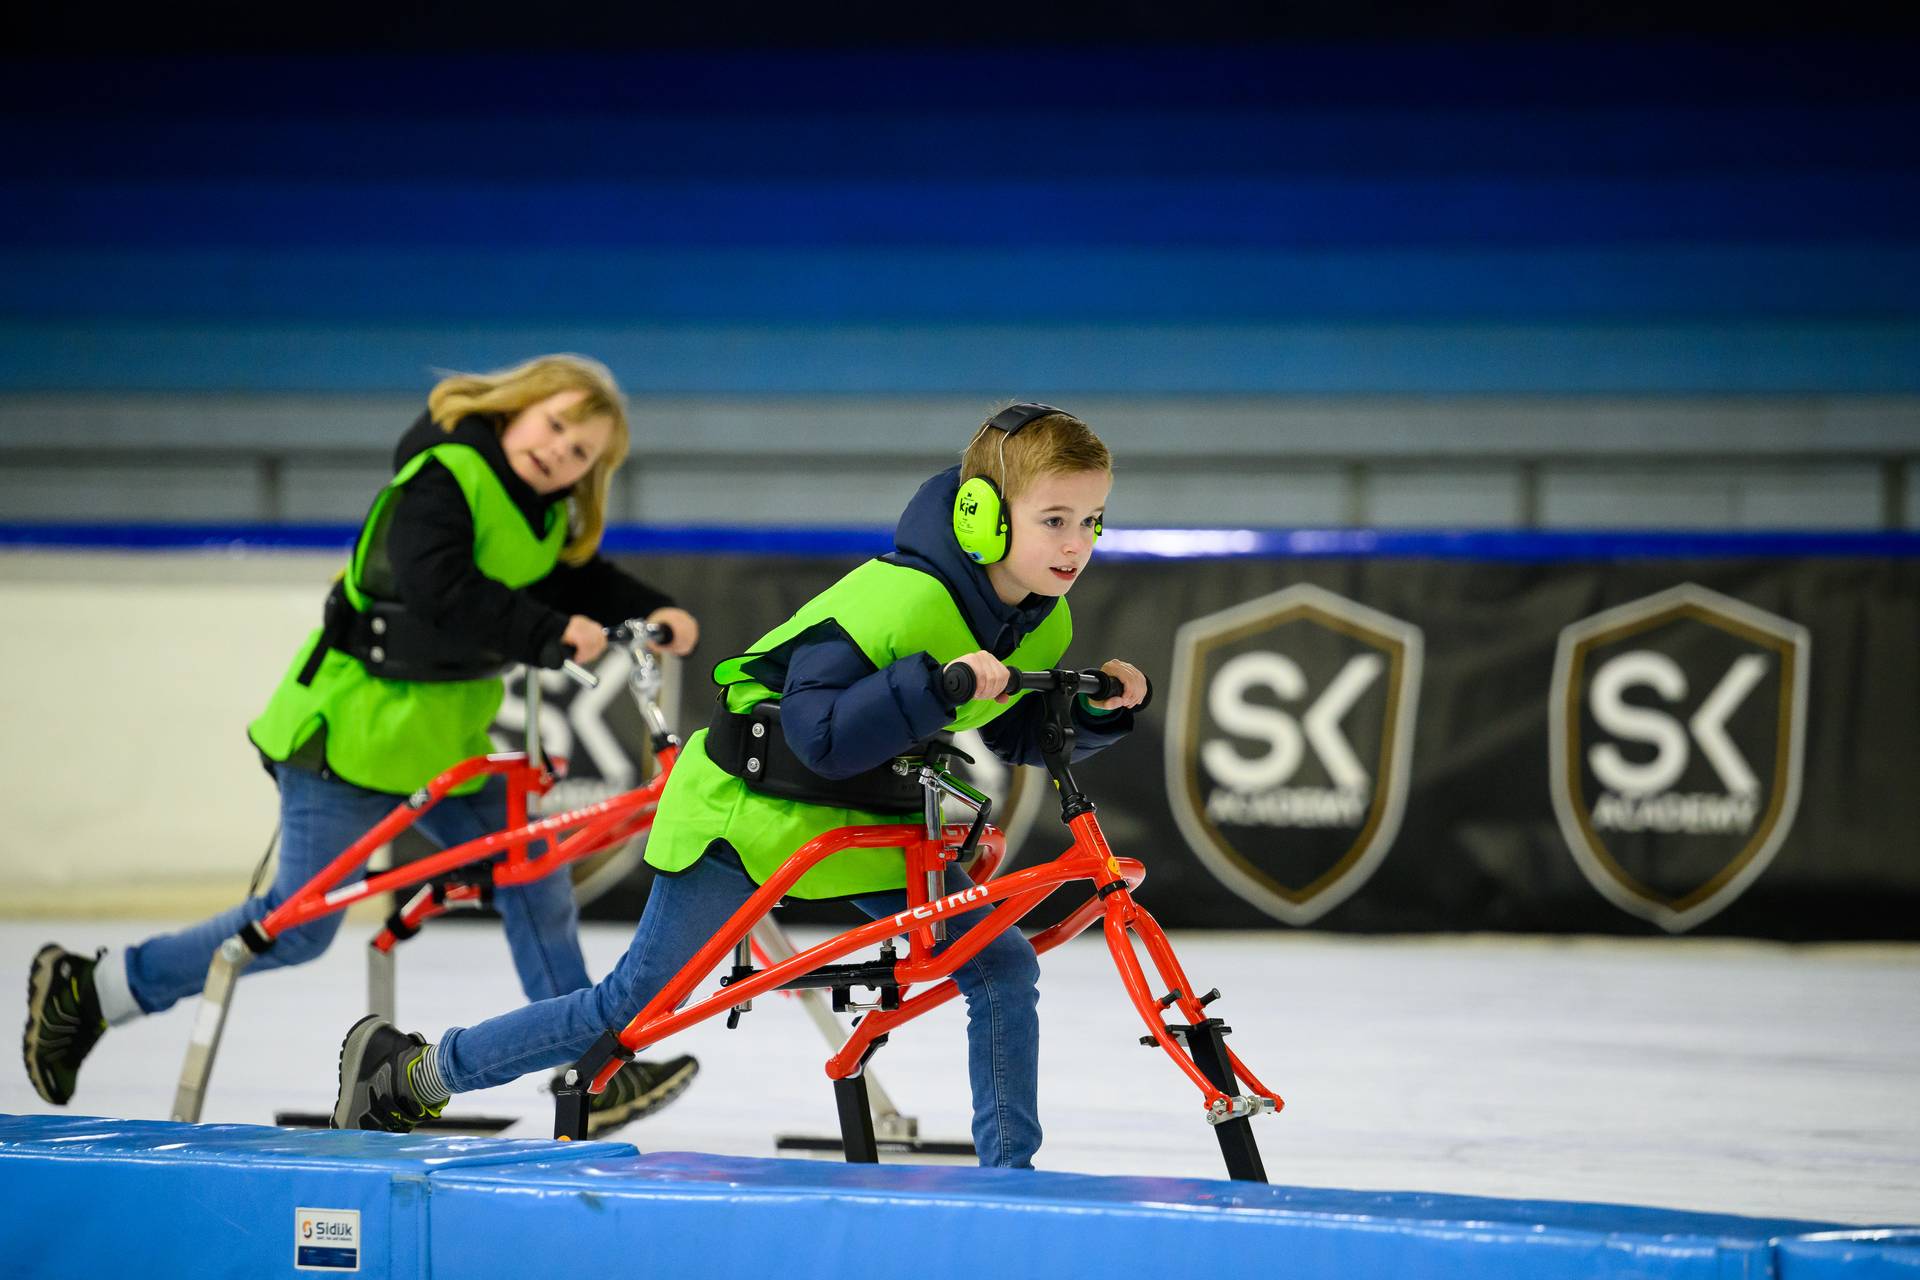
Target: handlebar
[
  {"x": 655, "y": 633},
  {"x": 632, "y": 631},
  {"x": 957, "y": 683}
]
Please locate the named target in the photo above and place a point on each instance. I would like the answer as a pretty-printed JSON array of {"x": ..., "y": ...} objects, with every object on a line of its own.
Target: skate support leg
[
  {"x": 570, "y": 1108},
  {"x": 1204, "y": 1042},
  {"x": 891, "y": 1128},
  {"x": 856, "y": 1120},
  {"x": 856, "y": 1112},
  {"x": 570, "y": 1097},
  {"x": 382, "y": 987},
  {"x": 230, "y": 960}
]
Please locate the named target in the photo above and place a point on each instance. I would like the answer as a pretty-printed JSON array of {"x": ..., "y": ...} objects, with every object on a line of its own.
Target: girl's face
[
  {"x": 547, "y": 450},
  {"x": 1050, "y": 535}
]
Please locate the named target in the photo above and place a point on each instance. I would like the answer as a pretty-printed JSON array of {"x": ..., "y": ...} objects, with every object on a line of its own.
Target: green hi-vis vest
[
  {"x": 396, "y": 735},
  {"x": 889, "y": 611}
]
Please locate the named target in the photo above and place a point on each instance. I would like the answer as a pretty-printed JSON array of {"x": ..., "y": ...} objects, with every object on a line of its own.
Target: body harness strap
[{"x": 751, "y": 746}]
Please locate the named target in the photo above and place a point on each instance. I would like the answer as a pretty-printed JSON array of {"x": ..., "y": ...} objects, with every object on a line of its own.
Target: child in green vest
[
  {"x": 481, "y": 551},
  {"x": 850, "y": 682}
]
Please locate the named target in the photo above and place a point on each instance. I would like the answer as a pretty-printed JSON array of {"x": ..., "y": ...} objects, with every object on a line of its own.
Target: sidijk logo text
[{"x": 329, "y": 1232}]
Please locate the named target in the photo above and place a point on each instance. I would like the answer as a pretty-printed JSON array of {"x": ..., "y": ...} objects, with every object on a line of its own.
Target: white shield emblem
[
  {"x": 1291, "y": 727},
  {"x": 1676, "y": 732}
]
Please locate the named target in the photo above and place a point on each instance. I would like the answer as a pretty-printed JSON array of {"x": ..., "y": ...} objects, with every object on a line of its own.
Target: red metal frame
[
  {"x": 1015, "y": 894},
  {"x": 577, "y": 833},
  {"x": 566, "y": 837}
]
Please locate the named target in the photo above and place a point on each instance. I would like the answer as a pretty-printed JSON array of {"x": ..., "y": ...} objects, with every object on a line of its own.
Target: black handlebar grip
[
  {"x": 1106, "y": 686},
  {"x": 553, "y": 653},
  {"x": 662, "y": 633},
  {"x": 957, "y": 683}
]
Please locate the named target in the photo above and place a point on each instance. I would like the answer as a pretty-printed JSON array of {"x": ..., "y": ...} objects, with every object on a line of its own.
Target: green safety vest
[
  {"x": 889, "y": 611},
  {"x": 396, "y": 735}
]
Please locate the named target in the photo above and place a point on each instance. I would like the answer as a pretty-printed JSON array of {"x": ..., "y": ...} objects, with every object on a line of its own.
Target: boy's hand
[
  {"x": 1134, "y": 690},
  {"x": 686, "y": 632},
  {"x": 989, "y": 674},
  {"x": 587, "y": 637}
]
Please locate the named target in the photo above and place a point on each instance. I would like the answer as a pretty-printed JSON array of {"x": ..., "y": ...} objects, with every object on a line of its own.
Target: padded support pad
[
  {"x": 88, "y": 1197},
  {"x": 682, "y": 1214},
  {"x": 82, "y": 1196}
]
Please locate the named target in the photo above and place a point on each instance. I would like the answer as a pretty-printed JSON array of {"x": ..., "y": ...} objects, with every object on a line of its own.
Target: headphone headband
[{"x": 1016, "y": 416}]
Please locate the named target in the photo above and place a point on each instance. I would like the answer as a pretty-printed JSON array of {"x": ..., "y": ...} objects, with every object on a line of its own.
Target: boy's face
[
  {"x": 1050, "y": 535},
  {"x": 548, "y": 450}
]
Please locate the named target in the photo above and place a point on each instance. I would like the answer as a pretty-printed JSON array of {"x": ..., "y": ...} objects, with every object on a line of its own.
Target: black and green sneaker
[
  {"x": 377, "y": 1061},
  {"x": 63, "y": 1021},
  {"x": 638, "y": 1089}
]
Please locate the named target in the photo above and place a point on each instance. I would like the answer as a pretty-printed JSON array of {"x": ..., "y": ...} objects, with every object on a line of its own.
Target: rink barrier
[
  {"x": 83, "y": 1196},
  {"x": 1489, "y": 546},
  {"x": 1855, "y": 1255}
]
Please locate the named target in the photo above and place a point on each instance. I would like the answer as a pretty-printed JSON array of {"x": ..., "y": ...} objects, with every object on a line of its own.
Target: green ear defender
[
  {"x": 980, "y": 509},
  {"x": 980, "y": 521}
]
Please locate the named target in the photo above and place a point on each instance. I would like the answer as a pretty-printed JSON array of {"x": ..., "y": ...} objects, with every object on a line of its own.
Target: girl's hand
[
  {"x": 686, "y": 632},
  {"x": 1134, "y": 691},
  {"x": 588, "y": 638},
  {"x": 989, "y": 674}
]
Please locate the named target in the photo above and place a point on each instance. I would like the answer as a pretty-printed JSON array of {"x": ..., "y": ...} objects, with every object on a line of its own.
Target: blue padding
[
  {"x": 1298, "y": 211},
  {"x": 679, "y": 1214},
  {"x": 1500, "y": 546},
  {"x": 1779, "y": 357},
  {"x": 81, "y": 1196},
  {"x": 86, "y": 1196},
  {"x": 378, "y": 284},
  {"x": 1851, "y": 1255}
]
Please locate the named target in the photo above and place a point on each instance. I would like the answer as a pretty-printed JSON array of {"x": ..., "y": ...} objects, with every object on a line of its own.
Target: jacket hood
[
  {"x": 479, "y": 433},
  {"x": 924, "y": 540}
]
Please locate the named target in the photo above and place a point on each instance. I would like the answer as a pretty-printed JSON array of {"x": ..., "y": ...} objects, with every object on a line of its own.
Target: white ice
[{"x": 1744, "y": 1078}]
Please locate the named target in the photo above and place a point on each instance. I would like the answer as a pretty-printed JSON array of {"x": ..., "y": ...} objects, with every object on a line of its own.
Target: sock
[
  {"x": 423, "y": 1076},
  {"x": 112, "y": 988}
]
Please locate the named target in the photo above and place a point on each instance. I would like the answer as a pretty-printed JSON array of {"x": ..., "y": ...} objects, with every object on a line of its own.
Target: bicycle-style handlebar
[
  {"x": 632, "y": 631},
  {"x": 957, "y": 683},
  {"x": 657, "y": 633}
]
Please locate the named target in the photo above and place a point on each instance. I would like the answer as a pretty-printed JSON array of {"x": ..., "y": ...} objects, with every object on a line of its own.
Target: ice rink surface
[{"x": 1747, "y": 1078}]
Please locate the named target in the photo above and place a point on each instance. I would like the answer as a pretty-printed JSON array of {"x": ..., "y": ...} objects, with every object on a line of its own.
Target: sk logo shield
[
  {"x": 1292, "y": 725},
  {"x": 1676, "y": 728}
]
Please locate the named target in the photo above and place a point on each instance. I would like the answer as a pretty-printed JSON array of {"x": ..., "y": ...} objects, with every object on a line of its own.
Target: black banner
[{"x": 1710, "y": 746}]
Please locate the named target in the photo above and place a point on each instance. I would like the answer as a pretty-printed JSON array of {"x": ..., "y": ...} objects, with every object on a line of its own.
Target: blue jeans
[
  {"x": 683, "y": 913},
  {"x": 319, "y": 817}
]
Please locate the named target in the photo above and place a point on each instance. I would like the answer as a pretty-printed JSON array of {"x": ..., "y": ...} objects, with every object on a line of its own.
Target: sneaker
[
  {"x": 376, "y": 1078},
  {"x": 63, "y": 1021},
  {"x": 638, "y": 1089}
]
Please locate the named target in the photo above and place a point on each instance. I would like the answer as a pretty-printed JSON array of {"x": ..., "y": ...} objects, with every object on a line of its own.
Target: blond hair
[
  {"x": 502, "y": 394},
  {"x": 1053, "y": 444}
]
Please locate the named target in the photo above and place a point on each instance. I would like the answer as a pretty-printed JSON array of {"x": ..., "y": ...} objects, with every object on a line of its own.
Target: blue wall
[{"x": 1510, "y": 218}]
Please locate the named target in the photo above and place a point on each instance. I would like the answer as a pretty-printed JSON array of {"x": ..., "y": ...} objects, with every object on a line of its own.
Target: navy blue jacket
[{"x": 841, "y": 717}]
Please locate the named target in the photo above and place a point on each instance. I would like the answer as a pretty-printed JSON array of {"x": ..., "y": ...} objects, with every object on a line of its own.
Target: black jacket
[{"x": 430, "y": 544}]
